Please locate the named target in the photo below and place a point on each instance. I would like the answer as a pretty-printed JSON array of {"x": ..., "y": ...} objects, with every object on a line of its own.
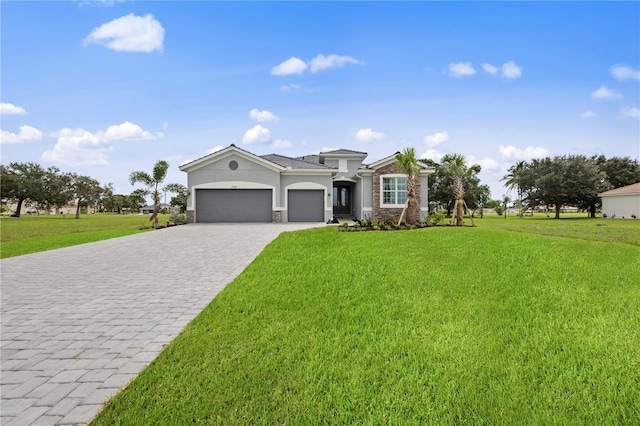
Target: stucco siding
[{"x": 621, "y": 206}]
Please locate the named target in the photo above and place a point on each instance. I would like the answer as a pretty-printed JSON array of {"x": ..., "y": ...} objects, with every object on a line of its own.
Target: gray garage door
[
  {"x": 306, "y": 206},
  {"x": 233, "y": 205}
]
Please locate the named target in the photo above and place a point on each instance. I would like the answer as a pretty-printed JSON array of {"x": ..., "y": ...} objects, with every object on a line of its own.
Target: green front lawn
[
  {"x": 490, "y": 325},
  {"x": 31, "y": 234}
]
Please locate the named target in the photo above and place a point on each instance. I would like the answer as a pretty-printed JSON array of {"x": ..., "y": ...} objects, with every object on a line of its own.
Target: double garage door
[{"x": 255, "y": 205}]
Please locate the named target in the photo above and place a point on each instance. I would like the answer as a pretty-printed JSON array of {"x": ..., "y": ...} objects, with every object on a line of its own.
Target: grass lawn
[
  {"x": 516, "y": 321},
  {"x": 30, "y": 234}
]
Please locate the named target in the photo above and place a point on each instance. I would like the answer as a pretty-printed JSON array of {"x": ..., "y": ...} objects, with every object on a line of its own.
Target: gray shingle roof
[
  {"x": 625, "y": 190},
  {"x": 294, "y": 163},
  {"x": 311, "y": 158},
  {"x": 343, "y": 151}
]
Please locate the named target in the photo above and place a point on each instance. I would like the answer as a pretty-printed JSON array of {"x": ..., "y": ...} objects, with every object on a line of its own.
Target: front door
[{"x": 342, "y": 200}]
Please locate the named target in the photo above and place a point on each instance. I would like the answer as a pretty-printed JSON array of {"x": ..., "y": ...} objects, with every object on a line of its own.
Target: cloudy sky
[{"x": 106, "y": 88}]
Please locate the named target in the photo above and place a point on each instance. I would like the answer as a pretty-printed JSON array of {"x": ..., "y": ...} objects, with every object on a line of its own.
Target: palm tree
[
  {"x": 456, "y": 164},
  {"x": 152, "y": 183},
  {"x": 407, "y": 162},
  {"x": 514, "y": 180}
]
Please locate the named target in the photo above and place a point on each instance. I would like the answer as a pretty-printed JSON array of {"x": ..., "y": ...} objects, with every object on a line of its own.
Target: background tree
[
  {"x": 57, "y": 189},
  {"x": 513, "y": 180},
  {"x": 181, "y": 197},
  {"x": 152, "y": 182},
  {"x": 505, "y": 204},
  {"x": 137, "y": 199},
  {"x": 456, "y": 166},
  {"x": 22, "y": 182},
  {"x": 84, "y": 190},
  {"x": 407, "y": 163},
  {"x": 619, "y": 171}
]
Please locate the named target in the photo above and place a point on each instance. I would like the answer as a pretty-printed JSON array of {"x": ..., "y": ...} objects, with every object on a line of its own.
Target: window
[{"x": 394, "y": 191}]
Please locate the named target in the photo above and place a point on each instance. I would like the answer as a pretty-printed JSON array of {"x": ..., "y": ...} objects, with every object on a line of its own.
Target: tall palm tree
[
  {"x": 514, "y": 180},
  {"x": 152, "y": 182},
  {"x": 456, "y": 165},
  {"x": 407, "y": 162}
]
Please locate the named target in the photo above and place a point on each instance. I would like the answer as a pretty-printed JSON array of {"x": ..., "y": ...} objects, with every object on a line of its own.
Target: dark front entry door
[{"x": 342, "y": 200}]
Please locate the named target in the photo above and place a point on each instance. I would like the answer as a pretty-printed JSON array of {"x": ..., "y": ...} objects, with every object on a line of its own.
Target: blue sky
[{"x": 106, "y": 88}]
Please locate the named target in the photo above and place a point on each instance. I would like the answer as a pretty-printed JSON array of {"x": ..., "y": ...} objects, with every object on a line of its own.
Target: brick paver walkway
[{"x": 78, "y": 324}]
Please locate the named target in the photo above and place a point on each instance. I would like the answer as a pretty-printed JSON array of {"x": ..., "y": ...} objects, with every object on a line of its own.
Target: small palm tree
[
  {"x": 407, "y": 162},
  {"x": 514, "y": 180},
  {"x": 152, "y": 182},
  {"x": 456, "y": 165}
]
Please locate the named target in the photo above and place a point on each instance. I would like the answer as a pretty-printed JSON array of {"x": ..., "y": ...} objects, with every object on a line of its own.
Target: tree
[
  {"x": 136, "y": 199},
  {"x": 22, "y": 182},
  {"x": 514, "y": 180},
  {"x": 182, "y": 195},
  {"x": 84, "y": 190},
  {"x": 56, "y": 189},
  {"x": 619, "y": 171},
  {"x": 407, "y": 162},
  {"x": 152, "y": 182},
  {"x": 440, "y": 184},
  {"x": 505, "y": 203},
  {"x": 456, "y": 165}
]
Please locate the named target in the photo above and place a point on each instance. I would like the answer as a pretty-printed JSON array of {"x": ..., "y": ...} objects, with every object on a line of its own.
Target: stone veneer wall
[
  {"x": 384, "y": 213},
  {"x": 276, "y": 216},
  {"x": 191, "y": 217}
]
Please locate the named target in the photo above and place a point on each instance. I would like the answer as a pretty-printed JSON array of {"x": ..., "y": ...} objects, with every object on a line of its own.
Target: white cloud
[
  {"x": 436, "y": 139},
  {"x": 129, "y": 34},
  {"x": 77, "y": 147},
  {"x": 292, "y": 65},
  {"x": 26, "y": 134},
  {"x": 165, "y": 126},
  {"x": 127, "y": 130},
  {"x": 281, "y": 143},
  {"x": 215, "y": 149},
  {"x": 588, "y": 114},
  {"x": 11, "y": 109},
  {"x": 604, "y": 93},
  {"x": 289, "y": 87},
  {"x": 511, "y": 152},
  {"x": 322, "y": 62},
  {"x": 623, "y": 72},
  {"x": 82, "y": 147},
  {"x": 511, "y": 70},
  {"x": 257, "y": 134},
  {"x": 262, "y": 116},
  {"x": 490, "y": 69},
  {"x": 433, "y": 154},
  {"x": 487, "y": 164},
  {"x": 368, "y": 135},
  {"x": 461, "y": 69},
  {"x": 630, "y": 112}
]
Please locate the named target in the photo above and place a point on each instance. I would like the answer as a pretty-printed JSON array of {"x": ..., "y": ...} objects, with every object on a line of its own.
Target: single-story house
[
  {"x": 234, "y": 185},
  {"x": 149, "y": 209},
  {"x": 621, "y": 202}
]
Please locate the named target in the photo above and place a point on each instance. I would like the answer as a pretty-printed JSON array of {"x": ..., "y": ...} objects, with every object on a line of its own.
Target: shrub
[{"x": 178, "y": 219}]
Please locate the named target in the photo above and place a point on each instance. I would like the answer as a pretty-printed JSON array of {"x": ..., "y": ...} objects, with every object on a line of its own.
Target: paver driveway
[{"x": 79, "y": 323}]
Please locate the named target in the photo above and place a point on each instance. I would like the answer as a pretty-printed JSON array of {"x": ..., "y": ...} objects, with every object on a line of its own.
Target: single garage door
[
  {"x": 306, "y": 205},
  {"x": 233, "y": 205}
]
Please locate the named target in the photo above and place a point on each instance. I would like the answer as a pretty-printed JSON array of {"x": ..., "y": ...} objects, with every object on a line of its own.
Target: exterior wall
[
  {"x": 621, "y": 206},
  {"x": 349, "y": 167},
  {"x": 367, "y": 196},
  {"x": 191, "y": 216},
  {"x": 357, "y": 200},
  {"x": 219, "y": 172},
  {"x": 424, "y": 195},
  {"x": 305, "y": 182},
  {"x": 387, "y": 213}
]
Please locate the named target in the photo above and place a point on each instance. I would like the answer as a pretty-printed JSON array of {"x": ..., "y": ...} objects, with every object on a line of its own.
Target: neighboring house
[
  {"x": 234, "y": 185},
  {"x": 622, "y": 202},
  {"x": 149, "y": 209}
]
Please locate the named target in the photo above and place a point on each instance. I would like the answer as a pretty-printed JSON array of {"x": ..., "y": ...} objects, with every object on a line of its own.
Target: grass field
[
  {"x": 517, "y": 321},
  {"x": 30, "y": 234}
]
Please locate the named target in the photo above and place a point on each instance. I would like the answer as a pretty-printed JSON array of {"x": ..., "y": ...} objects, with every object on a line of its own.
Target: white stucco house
[
  {"x": 234, "y": 185},
  {"x": 622, "y": 202}
]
